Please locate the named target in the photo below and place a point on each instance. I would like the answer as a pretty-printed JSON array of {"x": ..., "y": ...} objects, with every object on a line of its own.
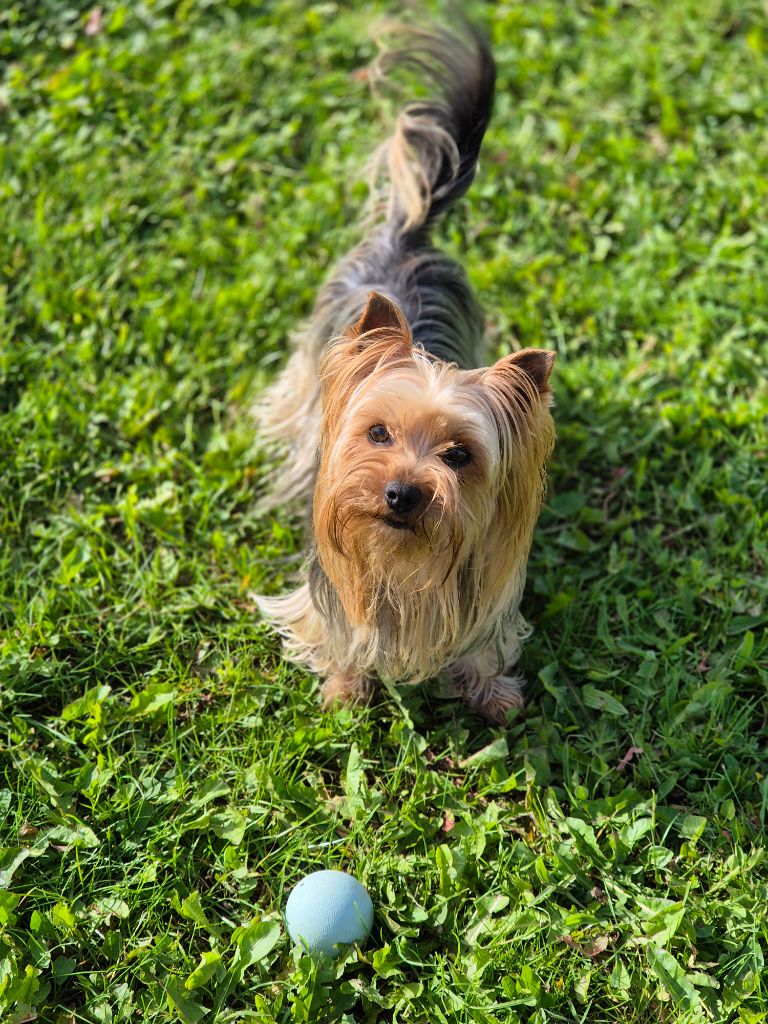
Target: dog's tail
[{"x": 431, "y": 158}]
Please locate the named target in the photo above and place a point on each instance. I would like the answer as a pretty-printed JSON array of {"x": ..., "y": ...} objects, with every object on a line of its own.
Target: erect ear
[
  {"x": 381, "y": 313},
  {"x": 380, "y": 337},
  {"x": 537, "y": 363},
  {"x": 534, "y": 363}
]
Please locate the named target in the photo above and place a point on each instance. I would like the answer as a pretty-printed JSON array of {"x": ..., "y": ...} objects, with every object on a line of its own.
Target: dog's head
[{"x": 425, "y": 470}]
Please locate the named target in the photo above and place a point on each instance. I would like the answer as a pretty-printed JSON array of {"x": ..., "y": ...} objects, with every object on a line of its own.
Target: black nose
[{"x": 402, "y": 497}]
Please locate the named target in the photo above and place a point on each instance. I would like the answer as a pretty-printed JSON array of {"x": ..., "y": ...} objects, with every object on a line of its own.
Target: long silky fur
[{"x": 368, "y": 605}]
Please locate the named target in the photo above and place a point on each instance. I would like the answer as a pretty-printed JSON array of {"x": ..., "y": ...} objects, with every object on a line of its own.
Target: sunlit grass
[{"x": 174, "y": 188}]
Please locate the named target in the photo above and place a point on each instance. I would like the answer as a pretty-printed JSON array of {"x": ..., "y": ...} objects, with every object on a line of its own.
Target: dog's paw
[
  {"x": 345, "y": 688},
  {"x": 493, "y": 698}
]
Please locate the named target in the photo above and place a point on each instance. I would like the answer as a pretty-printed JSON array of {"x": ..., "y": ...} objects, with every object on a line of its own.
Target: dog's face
[{"x": 424, "y": 468}]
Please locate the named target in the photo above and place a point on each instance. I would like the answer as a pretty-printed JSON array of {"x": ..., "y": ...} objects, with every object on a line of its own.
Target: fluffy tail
[{"x": 432, "y": 155}]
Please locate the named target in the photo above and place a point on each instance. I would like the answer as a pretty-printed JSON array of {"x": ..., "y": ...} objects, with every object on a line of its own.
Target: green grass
[{"x": 173, "y": 190}]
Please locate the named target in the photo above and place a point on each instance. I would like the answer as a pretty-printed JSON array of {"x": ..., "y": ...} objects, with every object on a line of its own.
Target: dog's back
[
  {"x": 427, "y": 164},
  {"x": 430, "y": 162}
]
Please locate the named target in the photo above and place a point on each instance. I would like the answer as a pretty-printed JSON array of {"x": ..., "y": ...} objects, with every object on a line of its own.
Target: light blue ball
[{"x": 328, "y": 911}]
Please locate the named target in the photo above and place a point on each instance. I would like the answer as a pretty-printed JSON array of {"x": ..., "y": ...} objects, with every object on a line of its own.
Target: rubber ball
[{"x": 328, "y": 911}]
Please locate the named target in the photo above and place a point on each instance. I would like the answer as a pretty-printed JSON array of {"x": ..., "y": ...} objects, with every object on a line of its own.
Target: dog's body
[{"x": 431, "y": 470}]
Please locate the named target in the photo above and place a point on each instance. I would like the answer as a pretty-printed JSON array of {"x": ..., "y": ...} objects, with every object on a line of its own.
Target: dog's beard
[
  {"x": 375, "y": 554},
  {"x": 405, "y": 596},
  {"x": 395, "y": 589}
]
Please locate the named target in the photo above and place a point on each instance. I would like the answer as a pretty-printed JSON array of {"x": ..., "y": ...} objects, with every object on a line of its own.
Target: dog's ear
[
  {"x": 381, "y": 338},
  {"x": 381, "y": 314},
  {"x": 524, "y": 374},
  {"x": 537, "y": 363},
  {"x": 517, "y": 391}
]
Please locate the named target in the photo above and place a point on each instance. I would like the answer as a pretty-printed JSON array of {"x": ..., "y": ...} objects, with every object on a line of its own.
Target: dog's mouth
[{"x": 397, "y": 524}]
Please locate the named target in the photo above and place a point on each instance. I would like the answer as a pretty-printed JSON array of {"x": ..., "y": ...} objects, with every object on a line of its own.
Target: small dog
[{"x": 427, "y": 468}]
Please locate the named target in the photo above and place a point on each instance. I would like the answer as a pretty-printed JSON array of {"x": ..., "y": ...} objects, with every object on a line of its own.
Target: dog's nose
[{"x": 402, "y": 497}]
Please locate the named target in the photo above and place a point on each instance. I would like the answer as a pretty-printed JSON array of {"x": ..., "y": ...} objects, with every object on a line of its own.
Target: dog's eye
[
  {"x": 456, "y": 456},
  {"x": 378, "y": 434}
]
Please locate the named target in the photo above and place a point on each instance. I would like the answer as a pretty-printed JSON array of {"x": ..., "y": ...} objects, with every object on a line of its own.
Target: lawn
[{"x": 176, "y": 180}]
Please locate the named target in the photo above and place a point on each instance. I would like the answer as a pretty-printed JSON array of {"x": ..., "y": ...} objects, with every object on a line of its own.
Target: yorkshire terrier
[{"x": 426, "y": 467}]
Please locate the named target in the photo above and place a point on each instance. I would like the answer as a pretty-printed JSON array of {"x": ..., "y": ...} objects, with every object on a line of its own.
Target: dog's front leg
[
  {"x": 345, "y": 686},
  {"x": 491, "y": 696},
  {"x": 485, "y": 681}
]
